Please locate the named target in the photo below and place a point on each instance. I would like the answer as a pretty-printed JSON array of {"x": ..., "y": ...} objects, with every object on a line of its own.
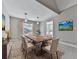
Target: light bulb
[
  {"x": 26, "y": 17},
  {"x": 37, "y": 22}
]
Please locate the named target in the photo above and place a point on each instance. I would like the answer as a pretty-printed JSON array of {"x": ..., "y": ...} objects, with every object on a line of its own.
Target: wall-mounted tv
[{"x": 66, "y": 25}]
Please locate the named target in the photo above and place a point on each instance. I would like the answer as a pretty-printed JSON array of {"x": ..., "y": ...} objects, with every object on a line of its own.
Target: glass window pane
[
  {"x": 27, "y": 28},
  {"x": 49, "y": 26}
]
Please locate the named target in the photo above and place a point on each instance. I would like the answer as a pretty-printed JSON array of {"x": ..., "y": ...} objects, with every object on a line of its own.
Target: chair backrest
[
  {"x": 54, "y": 45},
  {"x": 24, "y": 45}
]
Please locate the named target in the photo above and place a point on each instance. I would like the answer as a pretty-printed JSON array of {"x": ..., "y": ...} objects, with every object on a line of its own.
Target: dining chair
[
  {"x": 26, "y": 46},
  {"x": 53, "y": 49}
]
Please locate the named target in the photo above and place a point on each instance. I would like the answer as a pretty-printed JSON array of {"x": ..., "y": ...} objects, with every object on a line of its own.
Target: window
[
  {"x": 49, "y": 28},
  {"x": 27, "y": 28}
]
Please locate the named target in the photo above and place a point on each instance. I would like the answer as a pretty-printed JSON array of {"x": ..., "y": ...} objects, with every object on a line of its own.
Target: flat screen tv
[{"x": 66, "y": 25}]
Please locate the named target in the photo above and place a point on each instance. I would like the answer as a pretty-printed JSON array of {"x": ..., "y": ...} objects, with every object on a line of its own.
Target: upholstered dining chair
[
  {"x": 26, "y": 47},
  {"x": 53, "y": 49}
]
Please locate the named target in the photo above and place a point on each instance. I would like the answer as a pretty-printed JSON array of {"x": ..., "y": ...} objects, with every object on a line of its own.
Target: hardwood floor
[{"x": 16, "y": 52}]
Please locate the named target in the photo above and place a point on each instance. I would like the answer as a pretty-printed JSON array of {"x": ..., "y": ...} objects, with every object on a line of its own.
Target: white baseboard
[{"x": 68, "y": 44}]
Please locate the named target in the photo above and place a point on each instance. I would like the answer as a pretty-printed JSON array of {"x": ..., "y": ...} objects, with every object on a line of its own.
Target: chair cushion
[
  {"x": 47, "y": 48},
  {"x": 29, "y": 45},
  {"x": 60, "y": 52}
]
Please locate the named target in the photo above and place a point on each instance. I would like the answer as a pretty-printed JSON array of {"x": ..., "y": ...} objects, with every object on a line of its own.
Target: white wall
[
  {"x": 16, "y": 27},
  {"x": 7, "y": 18},
  {"x": 67, "y": 36},
  {"x": 43, "y": 28},
  {"x": 35, "y": 26}
]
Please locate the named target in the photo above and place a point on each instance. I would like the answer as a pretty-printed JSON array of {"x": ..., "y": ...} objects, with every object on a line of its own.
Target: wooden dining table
[
  {"x": 38, "y": 38},
  {"x": 39, "y": 42}
]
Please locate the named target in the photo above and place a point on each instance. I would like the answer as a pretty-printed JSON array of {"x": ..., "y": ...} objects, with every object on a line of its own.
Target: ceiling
[
  {"x": 44, "y": 9},
  {"x": 58, "y": 5},
  {"x": 17, "y": 8}
]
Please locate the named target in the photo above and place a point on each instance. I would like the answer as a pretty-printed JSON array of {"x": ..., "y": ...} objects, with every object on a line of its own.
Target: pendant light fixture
[
  {"x": 37, "y": 21},
  {"x": 26, "y": 17}
]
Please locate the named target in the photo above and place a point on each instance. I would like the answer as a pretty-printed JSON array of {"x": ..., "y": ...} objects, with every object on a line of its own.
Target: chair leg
[
  {"x": 57, "y": 55},
  {"x": 51, "y": 56},
  {"x": 25, "y": 55},
  {"x": 54, "y": 56}
]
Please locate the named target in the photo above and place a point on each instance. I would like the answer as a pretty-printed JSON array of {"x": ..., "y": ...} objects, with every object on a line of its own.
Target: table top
[
  {"x": 39, "y": 41},
  {"x": 38, "y": 38}
]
